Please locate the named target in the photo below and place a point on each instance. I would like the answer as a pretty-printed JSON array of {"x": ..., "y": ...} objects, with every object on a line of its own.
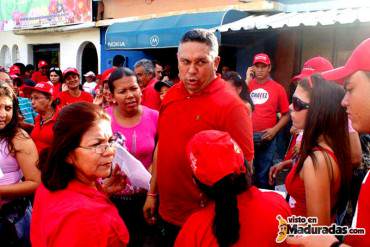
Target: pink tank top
[{"x": 12, "y": 173}]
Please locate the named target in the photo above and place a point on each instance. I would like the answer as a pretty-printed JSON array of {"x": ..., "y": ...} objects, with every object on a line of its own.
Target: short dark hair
[
  {"x": 21, "y": 67},
  {"x": 30, "y": 67},
  {"x": 72, "y": 123},
  {"x": 118, "y": 74},
  {"x": 202, "y": 36},
  {"x": 119, "y": 61}
]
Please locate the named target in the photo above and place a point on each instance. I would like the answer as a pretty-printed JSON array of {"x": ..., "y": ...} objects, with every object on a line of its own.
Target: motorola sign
[{"x": 154, "y": 40}]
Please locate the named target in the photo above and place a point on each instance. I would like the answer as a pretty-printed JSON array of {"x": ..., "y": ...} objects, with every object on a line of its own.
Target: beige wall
[{"x": 131, "y": 8}]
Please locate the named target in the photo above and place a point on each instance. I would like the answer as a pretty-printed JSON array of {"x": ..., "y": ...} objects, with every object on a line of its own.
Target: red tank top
[{"x": 295, "y": 186}]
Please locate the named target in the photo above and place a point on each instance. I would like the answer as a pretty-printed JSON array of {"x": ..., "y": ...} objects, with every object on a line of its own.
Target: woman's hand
[
  {"x": 115, "y": 183},
  {"x": 274, "y": 171},
  {"x": 149, "y": 209}
]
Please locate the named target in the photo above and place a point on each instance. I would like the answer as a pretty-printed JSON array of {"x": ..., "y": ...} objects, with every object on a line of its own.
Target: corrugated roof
[{"x": 295, "y": 19}]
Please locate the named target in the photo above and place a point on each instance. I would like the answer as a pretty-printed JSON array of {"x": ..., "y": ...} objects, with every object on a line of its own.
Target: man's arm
[
  {"x": 151, "y": 201},
  {"x": 272, "y": 132}
]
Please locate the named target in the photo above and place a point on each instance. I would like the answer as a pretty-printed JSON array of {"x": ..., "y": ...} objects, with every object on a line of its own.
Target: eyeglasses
[
  {"x": 299, "y": 105},
  {"x": 100, "y": 148}
]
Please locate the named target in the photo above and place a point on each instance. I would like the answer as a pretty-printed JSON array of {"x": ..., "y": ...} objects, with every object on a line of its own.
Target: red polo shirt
[
  {"x": 37, "y": 77},
  {"x": 151, "y": 97},
  {"x": 42, "y": 134},
  {"x": 257, "y": 217},
  {"x": 181, "y": 116},
  {"x": 66, "y": 98},
  {"x": 78, "y": 215},
  {"x": 361, "y": 219}
]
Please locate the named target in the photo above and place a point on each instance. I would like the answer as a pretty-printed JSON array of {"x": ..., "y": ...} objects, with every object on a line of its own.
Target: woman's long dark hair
[
  {"x": 237, "y": 81},
  {"x": 11, "y": 129},
  {"x": 328, "y": 119},
  {"x": 71, "y": 124},
  {"x": 58, "y": 71},
  {"x": 226, "y": 224}
]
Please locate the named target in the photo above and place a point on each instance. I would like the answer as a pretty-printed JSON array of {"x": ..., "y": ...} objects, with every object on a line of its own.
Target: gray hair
[
  {"x": 146, "y": 64},
  {"x": 202, "y": 36}
]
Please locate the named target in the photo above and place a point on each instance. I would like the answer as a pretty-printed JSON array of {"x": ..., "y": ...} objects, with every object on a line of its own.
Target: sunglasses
[
  {"x": 299, "y": 105},
  {"x": 54, "y": 69}
]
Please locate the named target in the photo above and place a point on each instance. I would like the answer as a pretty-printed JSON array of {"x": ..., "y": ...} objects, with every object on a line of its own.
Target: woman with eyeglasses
[
  {"x": 56, "y": 77},
  {"x": 71, "y": 206},
  {"x": 19, "y": 174},
  {"x": 318, "y": 181},
  {"x": 43, "y": 103},
  {"x": 138, "y": 124}
]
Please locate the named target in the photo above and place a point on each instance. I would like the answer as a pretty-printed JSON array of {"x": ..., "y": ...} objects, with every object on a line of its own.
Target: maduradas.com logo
[{"x": 298, "y": 225}]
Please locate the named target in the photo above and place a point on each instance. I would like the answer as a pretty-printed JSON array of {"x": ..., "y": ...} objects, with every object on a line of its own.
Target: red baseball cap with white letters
[
  {"x": 44, "y": 87},
  {"x": 359, "y": 60},
  {"x": 213, "y": 154},
  {"x": 261, "y": 58}
]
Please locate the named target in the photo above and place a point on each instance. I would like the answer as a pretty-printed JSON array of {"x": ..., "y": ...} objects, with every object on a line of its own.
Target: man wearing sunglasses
[
  {"x": 269, "y": 98},
  {"x": 356, "y": 77},
  {"x": 41, "y": 74}
]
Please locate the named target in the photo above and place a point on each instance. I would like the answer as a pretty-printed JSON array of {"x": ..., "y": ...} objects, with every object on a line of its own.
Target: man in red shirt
[
  {"x": 41, "y": 74},
  {"x": 356, "y": 75},
  {"x": 74, "y": 93},
  {"x": 144, "y": 70},
  {"x": 201, "y": 101},
  {"x": 269, "y": 98}
]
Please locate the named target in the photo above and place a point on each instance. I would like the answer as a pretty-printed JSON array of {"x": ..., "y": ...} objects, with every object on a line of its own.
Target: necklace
[{"x": 43, "y": 121}]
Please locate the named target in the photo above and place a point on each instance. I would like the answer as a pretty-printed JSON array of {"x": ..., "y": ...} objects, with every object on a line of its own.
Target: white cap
[{"x": 90, "y": 73}]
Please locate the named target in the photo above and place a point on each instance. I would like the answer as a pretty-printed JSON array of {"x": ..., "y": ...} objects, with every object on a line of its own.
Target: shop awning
[
  {"x": 296, "y": 19},
  {"x": 164, "y": 32}
]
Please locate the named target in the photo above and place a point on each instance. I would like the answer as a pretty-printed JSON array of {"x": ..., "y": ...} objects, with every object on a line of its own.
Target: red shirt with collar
[
  {"x": 37, "y": 77},
  {"x": 361, "y": 219},
  {"x": 66, "y": 98},
  {"x": 150, "y": 96},
  {"x": 42, "y": 134},
  {"x": 268, "y": 98},
  {"x": 78, "y": 215},
  {"x": 257, "y": 217},
  {"x": 181, "y": 116}
]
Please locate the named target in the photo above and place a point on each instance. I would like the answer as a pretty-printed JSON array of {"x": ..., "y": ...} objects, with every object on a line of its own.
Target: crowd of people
[{"x": 211, "y": 143}]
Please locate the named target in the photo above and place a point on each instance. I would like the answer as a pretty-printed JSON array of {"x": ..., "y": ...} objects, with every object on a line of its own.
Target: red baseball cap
[
  {"x": 70, "y": 71},
  {"x": 213, "y": 155},
  {"x": 359, "y": 60},
  {"x": 44, "y": 87},
  {"x": 312, "y": 66},
  {"x": 261, "y": 58},
  {"x": 42, "y": 63},
  {"x": 106, "y": 74}
]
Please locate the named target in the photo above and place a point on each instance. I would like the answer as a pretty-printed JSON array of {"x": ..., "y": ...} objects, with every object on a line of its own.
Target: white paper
[
  {"x": 133, "y": 168},
  {"x": 282, "y": 193},
  {"x": 1, "y": 173}
]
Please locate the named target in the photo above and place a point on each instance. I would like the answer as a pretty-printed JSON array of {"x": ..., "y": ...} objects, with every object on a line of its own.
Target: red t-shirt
[
  {"x": 66, "y": 98},
  {"x": 181, "y": 116},
  {"x": 151, "y": 97},
  {"x": 268, "y": 98},
  {"x": 76, "y": 216},
  {"x": 361, "y": 219},
  {"x": 42, "y": 134},
  {"x": 257, "y": 217},
  {"x": 37, "y": 77}
]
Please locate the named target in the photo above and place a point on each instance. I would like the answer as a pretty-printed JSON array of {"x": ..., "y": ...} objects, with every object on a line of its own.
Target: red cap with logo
[
  {"x": 312, "y": 66},
  {"x": 213, "y": 155},
  {"x": 70, "y": 71},
  {"x": 44, "y": 87},
  {"x": 42, "y": 63},
  {"x": 359, "y": 60},
  {"x": 261, "y": 58}
]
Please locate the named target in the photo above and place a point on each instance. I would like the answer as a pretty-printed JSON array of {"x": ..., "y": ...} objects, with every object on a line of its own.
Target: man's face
[
  {"x": 357, "y": 101},
  {"x": 158, "y": 72},
  {"x": 262, "y": 71},
  {"x": 197, "y": 65},
  {"x": 142, "y": 77},
  {"x": 44, "y": 70}
]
